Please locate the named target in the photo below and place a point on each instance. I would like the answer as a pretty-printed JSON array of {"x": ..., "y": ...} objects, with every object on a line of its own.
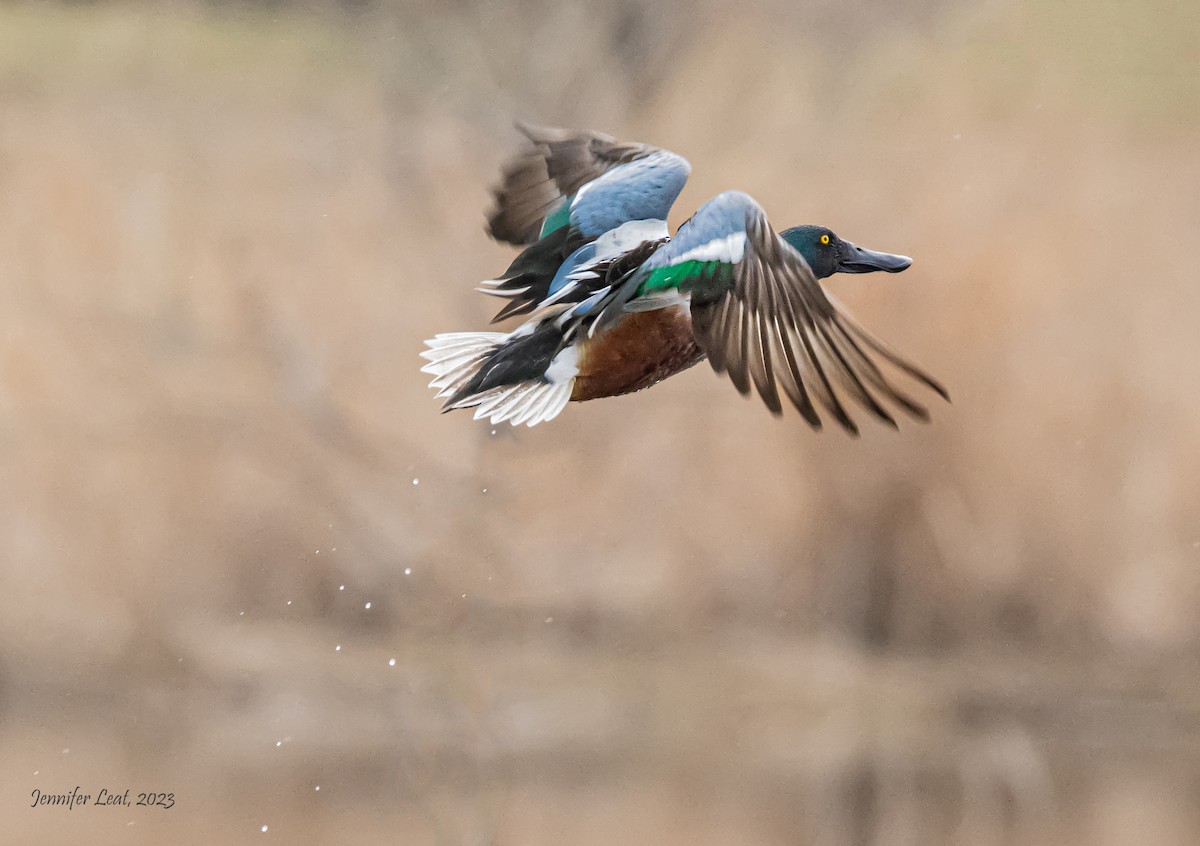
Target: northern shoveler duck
[{"x": 618, "y": 305}]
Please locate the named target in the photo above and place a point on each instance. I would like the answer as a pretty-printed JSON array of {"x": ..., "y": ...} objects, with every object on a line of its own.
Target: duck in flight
[{"x": 616, "y": 304}]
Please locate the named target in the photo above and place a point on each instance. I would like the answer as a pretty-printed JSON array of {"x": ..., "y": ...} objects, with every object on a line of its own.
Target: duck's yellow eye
[{"x": 824, "y": 239}]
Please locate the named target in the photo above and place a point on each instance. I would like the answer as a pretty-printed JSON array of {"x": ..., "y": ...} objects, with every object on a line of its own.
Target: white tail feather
[
  {"x": 510, "y": 409},
  {"x": 529, "y": 403},
  {"x": 491, "y": 400},
  {"x": 446, "y": 339},
  {"x": 454, "y": 359}
]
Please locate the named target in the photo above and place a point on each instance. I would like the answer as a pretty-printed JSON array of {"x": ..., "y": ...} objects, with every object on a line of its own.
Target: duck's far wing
[
  {"x": 763, "y": 318},
  {"x": 540, "y": 188}
]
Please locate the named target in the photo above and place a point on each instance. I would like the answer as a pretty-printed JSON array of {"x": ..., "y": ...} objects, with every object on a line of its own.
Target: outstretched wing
[
  {"x": 763, "y": 318},
  {"x": 554, "y": 165},
  {"x": 573, "y": 189}
]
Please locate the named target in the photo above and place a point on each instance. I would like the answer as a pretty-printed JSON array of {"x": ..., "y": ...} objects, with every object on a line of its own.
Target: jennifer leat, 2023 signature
[{"x": 104, "y": 798}]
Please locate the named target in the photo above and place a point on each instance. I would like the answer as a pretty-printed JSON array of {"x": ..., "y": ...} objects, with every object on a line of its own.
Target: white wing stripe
[{"x": 729, "y": 249}]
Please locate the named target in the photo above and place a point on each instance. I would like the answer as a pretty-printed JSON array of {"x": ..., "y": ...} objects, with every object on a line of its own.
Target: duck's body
[
  {"x": 641, "y": 350},
  {"x": 617, "y": 305}
]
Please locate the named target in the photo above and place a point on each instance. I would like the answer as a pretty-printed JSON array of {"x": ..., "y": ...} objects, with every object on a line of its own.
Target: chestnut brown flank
[{"x": 643, "y": 349}]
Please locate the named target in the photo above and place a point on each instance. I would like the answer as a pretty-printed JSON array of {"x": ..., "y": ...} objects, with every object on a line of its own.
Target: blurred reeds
[{"x": 224, "y": 231}]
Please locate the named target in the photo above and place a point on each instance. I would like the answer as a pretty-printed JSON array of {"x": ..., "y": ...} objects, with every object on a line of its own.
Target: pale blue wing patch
[
  {"x": 716, "y": 232},
  {"x": 643, "y": 189}
]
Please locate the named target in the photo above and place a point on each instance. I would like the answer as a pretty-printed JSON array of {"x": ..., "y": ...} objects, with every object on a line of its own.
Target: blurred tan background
[{"x": 229, "y": 503}]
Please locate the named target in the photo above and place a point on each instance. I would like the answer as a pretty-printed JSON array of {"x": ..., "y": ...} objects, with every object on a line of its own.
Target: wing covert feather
[{"x": 554, "y": 165}]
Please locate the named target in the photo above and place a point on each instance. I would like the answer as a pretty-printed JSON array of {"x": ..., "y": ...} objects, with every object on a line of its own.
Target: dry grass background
[{"x": 667, "y": 618}]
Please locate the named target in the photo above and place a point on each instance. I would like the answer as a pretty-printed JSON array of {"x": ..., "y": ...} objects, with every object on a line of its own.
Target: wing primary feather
[
  {"x": 760, "y": 354},
  {"x": 791, "y": 277},
  {"x": 794, "y": 384},
  {"x": 803, "y": 321},
  {"x": 894, "y": 357},
  {"x": 775, "y": 327},
  {"x": 789, "y": 376},
  {"x": 767, "y": 387},
  {"x": 736, "y": 345},
  {"x": 850, "y": 378},
  {"x": 521, "y": 201},
  {"x": 874, "y": 375}
]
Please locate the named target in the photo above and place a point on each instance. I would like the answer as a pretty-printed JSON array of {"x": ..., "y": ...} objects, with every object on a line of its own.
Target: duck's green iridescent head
[{"x": 828, "y": 254}]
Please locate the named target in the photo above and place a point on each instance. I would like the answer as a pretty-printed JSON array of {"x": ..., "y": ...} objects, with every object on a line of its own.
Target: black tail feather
[{"x": 518, "y": 360}]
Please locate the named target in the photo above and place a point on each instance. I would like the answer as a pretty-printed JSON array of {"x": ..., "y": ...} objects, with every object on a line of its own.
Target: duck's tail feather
[
  {"x": 484, "y": 370},
  {"x": 529, "y": 402},
  {"x": 455, "y": 358}
]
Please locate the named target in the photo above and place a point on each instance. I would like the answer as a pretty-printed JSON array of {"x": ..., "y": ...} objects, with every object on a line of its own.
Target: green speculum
[{"x": 689, "y": 276}]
